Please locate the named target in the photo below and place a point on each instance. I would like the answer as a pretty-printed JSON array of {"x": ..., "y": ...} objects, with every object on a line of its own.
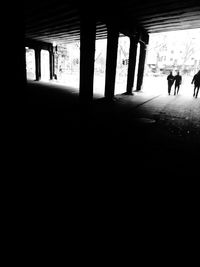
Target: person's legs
[
  {"x": 197, "y": 92},
  {"x": 178, "y": 88},
  {"x": 174, "y": 89},
  {"x": 169, "y": 89},
  {"x": 194, "y": 90}
]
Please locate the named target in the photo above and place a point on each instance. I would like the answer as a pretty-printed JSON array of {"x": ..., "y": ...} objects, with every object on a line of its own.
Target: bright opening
[
  {"x": 30, "y": 64},
  {"x": 100, "y": 67},
  {"x": 172, "y": 51},
  {"x": 67, "y": 64},
  {"x": 45, "y": 69},
  {"x": 122, "y": 65}
]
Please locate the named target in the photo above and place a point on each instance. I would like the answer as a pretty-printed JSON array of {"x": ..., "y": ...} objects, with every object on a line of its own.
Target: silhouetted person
[
  {"x": 196, "y": 81},
  {"x": 178, "y": 81},
  {"x": 170, "y": 79}
]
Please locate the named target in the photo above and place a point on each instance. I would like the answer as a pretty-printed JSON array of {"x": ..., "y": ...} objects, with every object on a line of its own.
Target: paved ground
[
  {"x": 151, "y": 84},
  {"x": 140, "y": 134}
]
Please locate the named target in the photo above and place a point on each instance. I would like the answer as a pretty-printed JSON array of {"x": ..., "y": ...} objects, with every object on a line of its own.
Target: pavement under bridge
[{"x": 141, "y": 134}]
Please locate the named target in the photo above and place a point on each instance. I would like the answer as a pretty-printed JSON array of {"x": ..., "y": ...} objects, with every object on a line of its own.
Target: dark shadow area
[{"x": 105, "y": 139}]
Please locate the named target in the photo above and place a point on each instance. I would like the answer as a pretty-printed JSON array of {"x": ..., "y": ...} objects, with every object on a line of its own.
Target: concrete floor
[{"x": 131, "y": 136}]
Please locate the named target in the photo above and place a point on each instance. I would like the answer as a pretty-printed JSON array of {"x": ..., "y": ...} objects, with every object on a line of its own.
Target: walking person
[
  {"x": 178, "y": 81},
  {"x": 196, "y": 81},
  {"x": 170, "y": 79}
]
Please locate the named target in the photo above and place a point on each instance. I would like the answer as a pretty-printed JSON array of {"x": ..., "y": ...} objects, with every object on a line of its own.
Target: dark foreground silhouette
[
  {"x": 196, "y": 82},
  {"x": 170, "y": 79},
  {"x": 178, "y": 81}
]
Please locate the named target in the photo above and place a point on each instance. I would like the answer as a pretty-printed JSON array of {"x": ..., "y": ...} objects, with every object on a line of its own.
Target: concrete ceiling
[{"x": 59, "y": 20}]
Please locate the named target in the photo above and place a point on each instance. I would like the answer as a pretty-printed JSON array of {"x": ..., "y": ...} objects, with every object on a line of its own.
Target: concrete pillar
[
  {"x": 87, "y": 57},
  {"x": 37, "y": 64},
  {"x": 55, "y": 61},
  {"x": 141, "y": 65},
  {"x": 111, "y": 62},
  {"x": 19, "y": 75},
  {"x": 23, "y": 72},
  {"x": 131, "y": 65},
  {"x": 51, "y": 64}
]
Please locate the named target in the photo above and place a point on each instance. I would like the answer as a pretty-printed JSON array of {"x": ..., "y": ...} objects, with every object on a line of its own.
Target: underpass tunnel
[{"x": 98, "y": 83}]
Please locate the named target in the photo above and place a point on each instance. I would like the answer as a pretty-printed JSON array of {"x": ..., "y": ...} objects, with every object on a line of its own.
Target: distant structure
[{"x": 174, "y": 51}]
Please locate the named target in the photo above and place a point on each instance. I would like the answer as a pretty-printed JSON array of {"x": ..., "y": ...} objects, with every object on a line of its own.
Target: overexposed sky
[{"x": 178, "y": 36}]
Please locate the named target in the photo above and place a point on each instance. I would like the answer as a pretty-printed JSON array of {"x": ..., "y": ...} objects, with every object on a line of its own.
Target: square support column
[
  {"x": 87, "y": 53},
  {"x": 51, "y": 64},
  {"x": 141, "y": 65},
  {"x": 37, "y": 64},
  {"x": 111, "y": 62},
  {"x": 131, "y": 65}
]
